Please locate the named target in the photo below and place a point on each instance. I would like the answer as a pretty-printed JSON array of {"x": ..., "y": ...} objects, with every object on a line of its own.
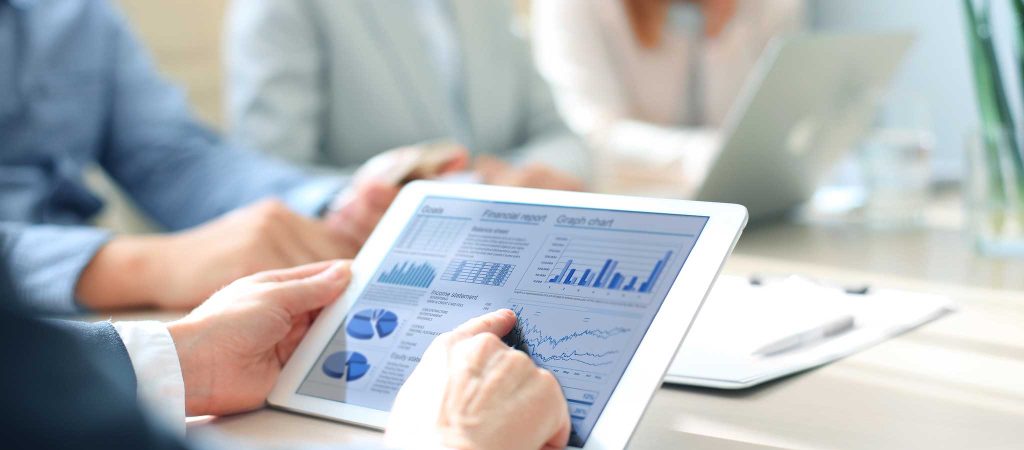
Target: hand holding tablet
[{"x": 604, "y": 289}]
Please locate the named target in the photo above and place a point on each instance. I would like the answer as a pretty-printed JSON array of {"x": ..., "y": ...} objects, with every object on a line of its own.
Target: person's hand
[
  {"x": 404, "y": 164},
  {"x": 178, "y": 271},
  {"x": 532, "y": 175},
  {"x": 494, "y": 397},
  {"x": 233, "y": 346},
  {"x": 355, "y": 212}
]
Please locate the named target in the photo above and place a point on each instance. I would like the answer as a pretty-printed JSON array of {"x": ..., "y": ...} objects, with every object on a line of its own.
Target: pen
[
  {"x": 855, "y": 289},
  {"x": 807, "y": 338}
]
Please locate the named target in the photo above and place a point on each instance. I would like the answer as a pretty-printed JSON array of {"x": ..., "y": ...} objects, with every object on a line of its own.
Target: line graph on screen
[{"x": 577, "y": 340}]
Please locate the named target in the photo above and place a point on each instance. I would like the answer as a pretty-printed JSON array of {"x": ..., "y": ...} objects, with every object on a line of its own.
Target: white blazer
[
  {"x": 652, "y": 103},
  {"x": 334, "y": 82}
]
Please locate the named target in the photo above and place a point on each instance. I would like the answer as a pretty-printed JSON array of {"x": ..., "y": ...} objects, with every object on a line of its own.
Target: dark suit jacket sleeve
[
  {"x": 103, "y": 340},
  {"x": 67, "y": 384},
  {"x": 70, "y": 385}
]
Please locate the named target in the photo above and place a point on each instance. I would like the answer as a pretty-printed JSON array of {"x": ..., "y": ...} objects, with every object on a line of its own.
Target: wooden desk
[{"x": 955, "y": 383}]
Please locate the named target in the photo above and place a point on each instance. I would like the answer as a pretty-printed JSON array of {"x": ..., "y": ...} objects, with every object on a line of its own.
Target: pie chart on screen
[
  {"x": 368, "y": 323},
  {"x": 348, "y": 365}
]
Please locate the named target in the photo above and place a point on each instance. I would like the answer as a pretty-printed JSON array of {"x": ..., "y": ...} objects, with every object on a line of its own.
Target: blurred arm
[
  {"x": 572, "y": 58},
  {"x": 180, "y": 173},
  {"x": 70, "y": 382},
  {"x": 275, "y": 85}
]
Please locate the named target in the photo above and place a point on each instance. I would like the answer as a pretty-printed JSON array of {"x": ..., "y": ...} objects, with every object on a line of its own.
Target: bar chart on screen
[
  {"x": 409, "y": 273},
  {"x": 589, "y": 267}
]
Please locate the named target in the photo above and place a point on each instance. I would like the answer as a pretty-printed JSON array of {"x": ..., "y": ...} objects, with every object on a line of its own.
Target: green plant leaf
[{"x": 982, "y": 74}]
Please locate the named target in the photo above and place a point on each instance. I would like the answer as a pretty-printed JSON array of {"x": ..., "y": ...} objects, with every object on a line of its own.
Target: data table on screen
[
  {"x": 431, "y": 234},
  {"x": 478, "y": 272}
]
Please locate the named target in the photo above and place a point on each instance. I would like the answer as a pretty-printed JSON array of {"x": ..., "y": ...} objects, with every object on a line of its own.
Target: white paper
[{"x": 719, "y": 350}]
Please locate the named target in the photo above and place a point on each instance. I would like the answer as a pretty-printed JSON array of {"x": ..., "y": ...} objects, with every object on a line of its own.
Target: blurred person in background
[
  {"x": 648, "y": 82},
  {"x": 330, "y": 84},
  {"x": 77, "y": 91}
]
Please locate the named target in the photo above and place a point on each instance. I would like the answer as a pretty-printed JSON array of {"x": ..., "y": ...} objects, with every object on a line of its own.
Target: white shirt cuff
[{"x": 161, "y": 389}]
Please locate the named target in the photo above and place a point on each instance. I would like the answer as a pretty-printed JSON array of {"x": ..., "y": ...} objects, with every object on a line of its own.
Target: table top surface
[{"x": 955, "y": 383}]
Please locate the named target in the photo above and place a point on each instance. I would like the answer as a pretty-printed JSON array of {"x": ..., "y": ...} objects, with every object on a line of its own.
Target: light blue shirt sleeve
[
  {"x": 45, "y": 262},
  {"x": 180, "y": 173}
]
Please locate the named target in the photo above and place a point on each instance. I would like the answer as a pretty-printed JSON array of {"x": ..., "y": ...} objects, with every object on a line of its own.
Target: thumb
[{"x": 299, "y": 296}]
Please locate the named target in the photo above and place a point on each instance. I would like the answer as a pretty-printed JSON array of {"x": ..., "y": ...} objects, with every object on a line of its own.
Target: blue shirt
[{"x": 77, "y": 90}]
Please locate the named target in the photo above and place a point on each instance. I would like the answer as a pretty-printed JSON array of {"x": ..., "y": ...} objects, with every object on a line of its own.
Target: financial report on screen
[{"x": 584, "y": 283}]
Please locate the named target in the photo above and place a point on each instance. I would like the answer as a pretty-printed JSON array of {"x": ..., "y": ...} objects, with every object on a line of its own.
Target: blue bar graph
[
  {"x": 616, "y": 281},
  {"x": 604, "y": 269},
  {"x": 583, "y": 279},
  {"x": 568, "y": 278},
  {"x": 646, "y": 286},
  {"x": 564, "y": 269},
  {"x": 409, "y": 274},
  {"x": 608, "y": 277},
  {"x": 631, "y": 285}
]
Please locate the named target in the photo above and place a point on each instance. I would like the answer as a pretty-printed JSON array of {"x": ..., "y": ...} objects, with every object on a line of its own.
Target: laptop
[{"x": 808, "y": 101}]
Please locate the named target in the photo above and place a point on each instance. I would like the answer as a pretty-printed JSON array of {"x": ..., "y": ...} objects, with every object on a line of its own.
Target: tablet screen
[{"x": 585, "y": 284}]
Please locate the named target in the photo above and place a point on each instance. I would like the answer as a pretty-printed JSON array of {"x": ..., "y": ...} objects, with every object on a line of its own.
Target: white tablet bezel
[{"x": 649, "y": 364}]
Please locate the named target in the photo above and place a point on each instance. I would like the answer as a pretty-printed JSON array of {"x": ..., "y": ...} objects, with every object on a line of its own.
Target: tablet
[{"x": 605, "y": 288}]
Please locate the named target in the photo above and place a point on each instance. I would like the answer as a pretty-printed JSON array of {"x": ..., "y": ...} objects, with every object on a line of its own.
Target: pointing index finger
[{"x": 498, "y": 322}]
